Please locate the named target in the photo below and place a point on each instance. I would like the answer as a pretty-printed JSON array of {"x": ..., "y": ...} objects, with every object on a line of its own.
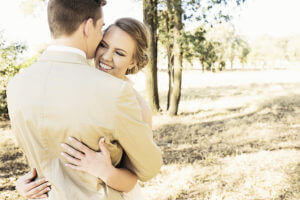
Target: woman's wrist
[
  {"x": 107, "y": 174},
  {"x": 120, "y": 179}
]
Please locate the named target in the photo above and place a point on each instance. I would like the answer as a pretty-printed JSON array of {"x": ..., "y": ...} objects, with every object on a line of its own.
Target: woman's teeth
[{"x": 104, "y": 66}]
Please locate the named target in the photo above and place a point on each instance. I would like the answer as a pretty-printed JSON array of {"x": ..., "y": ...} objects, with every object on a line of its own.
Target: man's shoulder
[
  {"x": 108, "y": 80},
  {"x": 17, "y": 77}
]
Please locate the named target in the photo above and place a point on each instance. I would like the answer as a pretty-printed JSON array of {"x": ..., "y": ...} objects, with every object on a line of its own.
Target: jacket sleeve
[{"x": 135, "y": 136}]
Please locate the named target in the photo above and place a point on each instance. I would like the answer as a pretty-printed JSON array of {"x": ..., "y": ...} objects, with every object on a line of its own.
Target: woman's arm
[
  {"x": 121, "y": 179},
  {"x": 98, "y": 164}
]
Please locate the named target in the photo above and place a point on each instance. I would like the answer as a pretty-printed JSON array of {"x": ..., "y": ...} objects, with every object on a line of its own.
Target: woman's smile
[{"x": 104, "y": 67}]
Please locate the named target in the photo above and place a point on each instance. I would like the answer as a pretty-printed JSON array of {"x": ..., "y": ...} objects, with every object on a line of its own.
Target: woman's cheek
[{"x": 118, "y": 61}]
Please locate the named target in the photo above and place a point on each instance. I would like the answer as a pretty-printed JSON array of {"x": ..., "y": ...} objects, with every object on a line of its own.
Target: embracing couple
[{"x": 85, "y": 131}]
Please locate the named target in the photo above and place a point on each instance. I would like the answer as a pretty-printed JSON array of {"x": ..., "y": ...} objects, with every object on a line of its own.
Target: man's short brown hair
[{"x": 65, "y": 16}]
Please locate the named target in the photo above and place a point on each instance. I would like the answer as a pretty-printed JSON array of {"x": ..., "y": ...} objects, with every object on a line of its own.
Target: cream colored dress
[{"x": 136, "y": 192}]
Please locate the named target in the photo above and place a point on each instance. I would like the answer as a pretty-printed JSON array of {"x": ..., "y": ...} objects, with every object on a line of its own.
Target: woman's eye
[
  {"x": 119, "y": 53},
  {"x": 102, "y": 45}
]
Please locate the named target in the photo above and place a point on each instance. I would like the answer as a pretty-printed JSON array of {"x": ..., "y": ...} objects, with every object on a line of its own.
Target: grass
[{"x": 237, "y": 137}]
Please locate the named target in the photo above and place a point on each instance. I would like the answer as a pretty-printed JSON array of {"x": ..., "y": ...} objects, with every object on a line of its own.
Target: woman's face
[{"x": 115, "y": 52}]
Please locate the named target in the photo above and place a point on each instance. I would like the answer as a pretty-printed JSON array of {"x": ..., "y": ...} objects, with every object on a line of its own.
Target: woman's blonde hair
[{"x": 139, "y": 33}]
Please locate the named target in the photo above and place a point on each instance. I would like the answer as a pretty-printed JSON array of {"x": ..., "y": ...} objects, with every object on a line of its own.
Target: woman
[{"x": 121, "y": 52}]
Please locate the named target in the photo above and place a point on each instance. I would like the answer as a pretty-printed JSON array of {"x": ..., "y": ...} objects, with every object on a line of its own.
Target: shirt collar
[{"x": 66, "y": 49}]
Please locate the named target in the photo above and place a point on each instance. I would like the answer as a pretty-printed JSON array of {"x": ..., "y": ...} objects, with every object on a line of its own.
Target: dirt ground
[{"x": 237, "y": 137}]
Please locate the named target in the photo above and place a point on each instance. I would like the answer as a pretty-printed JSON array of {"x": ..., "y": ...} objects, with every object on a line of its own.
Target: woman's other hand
[
  {"x": 82, "y": 158},
  {"x": 32, "y": 189}
]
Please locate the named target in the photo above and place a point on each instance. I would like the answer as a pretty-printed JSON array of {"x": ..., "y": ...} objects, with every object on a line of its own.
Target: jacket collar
[{"x": 63, "y": 57}]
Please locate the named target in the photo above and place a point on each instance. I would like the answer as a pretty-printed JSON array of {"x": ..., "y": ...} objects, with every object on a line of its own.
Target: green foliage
[
  {"x": 9, "y": 66},
  {"x": 229, "y": 46},
  {"x": 208, "y": 11},
  {"x": 196, "y": 44},
  {"x": 214, "y": 46},
  {"x": 244, "y": 53}
]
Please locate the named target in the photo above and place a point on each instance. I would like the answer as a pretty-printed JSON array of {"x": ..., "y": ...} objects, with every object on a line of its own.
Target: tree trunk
[
  {"x": 177, "y": 52},
  {"x": 169, "y": 47},
  {"x": 170, "y": 72},
  {"x": 150, "y": 19},
  {"x": 203, "y": 67}
]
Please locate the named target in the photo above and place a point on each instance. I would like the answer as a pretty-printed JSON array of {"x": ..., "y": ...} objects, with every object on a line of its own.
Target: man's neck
[{"x": 68, "y": 42}]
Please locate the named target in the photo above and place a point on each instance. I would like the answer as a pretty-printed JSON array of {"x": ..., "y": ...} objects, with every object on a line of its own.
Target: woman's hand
[
  {"x": 82, "y": 158},
  {"x": 30, "y": 189}
]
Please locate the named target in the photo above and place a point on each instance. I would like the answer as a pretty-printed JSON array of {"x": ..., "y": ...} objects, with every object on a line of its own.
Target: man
[{"x": 61, "y": 96}]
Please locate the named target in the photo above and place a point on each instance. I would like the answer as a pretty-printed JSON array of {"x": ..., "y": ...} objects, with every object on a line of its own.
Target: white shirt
[{"x": 66, "y": 49}]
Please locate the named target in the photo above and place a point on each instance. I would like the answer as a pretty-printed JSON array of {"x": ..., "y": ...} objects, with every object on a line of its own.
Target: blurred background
[{"x": 223, "y": 83}]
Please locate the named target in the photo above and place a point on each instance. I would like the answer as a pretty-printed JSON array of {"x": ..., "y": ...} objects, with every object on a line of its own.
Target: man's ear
[{"x": 87, "y": 27}]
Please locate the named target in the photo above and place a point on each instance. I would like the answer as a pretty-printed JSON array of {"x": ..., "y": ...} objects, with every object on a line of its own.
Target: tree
[
  {"x": 206, "y": 51},
  {"x": 176, "y": 71},
  {"x": 9, "y": 66},
  {"x": 244, "y": 52},
  {"x": 150, "y": 19},
  {"x": 229, "y": 45},
  {"x": 166, "y": 37},
  {"x": 175, "y": 14}
]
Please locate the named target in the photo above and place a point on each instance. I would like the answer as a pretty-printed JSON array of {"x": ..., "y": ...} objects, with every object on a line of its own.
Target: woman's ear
[{"x": 132, "y": 64}]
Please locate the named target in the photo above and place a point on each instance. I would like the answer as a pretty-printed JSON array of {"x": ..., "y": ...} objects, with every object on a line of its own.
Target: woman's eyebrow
[
  {"x": 118, "y": 49},
  {"x": 121, "y": 50},
  {"x": 103, "y": 41}
]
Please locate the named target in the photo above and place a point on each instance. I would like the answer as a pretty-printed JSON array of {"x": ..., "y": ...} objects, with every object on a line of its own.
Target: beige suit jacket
[{"x": 61, "y": 96}]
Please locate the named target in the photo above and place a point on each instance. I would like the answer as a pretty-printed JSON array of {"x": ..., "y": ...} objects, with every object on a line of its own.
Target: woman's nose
[{"x": 107, "y": 55}]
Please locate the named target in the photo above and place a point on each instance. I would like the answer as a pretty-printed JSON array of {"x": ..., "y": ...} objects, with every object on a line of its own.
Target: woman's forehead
[{"x": 118, "y": 38}]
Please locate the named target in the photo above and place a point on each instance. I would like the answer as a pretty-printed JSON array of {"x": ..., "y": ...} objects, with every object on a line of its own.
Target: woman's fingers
[
  {"x": 71, "y": 159},
  {"x": 32, "y": 189},
  {"x": 79, "y": 145},
  {"x": 75, "y": 167},
  {"x": 35, "y": 184},
  {"x": 37, "y": 191},
  {"x": 72, "y": 151},
  {"x": 42, "y": 193}
]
